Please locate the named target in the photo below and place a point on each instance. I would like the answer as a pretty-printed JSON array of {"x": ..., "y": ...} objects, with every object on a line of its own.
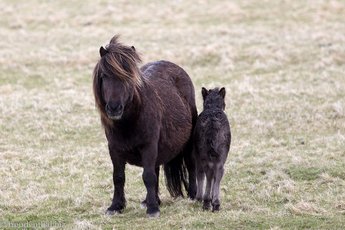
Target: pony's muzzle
[{"x": 114, "y": 110}]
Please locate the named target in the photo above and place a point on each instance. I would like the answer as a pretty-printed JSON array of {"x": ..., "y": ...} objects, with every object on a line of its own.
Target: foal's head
[
  {"x": 116, "y": 79},
  {"x": 213, "y": 98}
]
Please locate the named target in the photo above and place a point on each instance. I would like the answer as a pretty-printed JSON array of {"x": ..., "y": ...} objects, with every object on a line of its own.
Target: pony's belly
[
  {"x": 134, "y": 161},
  {"x": 165, "y": 156},
  {"x": 172, "y": 144},
  {"x": 132, "y": 158}
]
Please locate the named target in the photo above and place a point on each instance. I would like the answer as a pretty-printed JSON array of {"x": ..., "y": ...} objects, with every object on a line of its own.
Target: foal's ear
[
  {"x": 133, "y": 48},
  {"x": 204, "y": 92},
  {"x": 222, "y": 92},
  {"x": 102, "y": 51}
]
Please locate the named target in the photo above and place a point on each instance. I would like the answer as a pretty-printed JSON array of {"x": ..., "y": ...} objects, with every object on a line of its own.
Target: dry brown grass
[{"x": 282, "y": 62}]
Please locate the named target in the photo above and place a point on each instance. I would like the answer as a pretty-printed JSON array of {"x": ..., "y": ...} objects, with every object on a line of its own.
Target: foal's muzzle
[{"x": 114, "y": 110}]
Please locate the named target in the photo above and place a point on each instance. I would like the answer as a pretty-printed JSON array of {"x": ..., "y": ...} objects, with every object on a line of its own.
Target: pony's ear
[
  {"x": 133, "y": 48},
  {"x": 204, "y": 92},
  {"x": 102, "y": 51},
  {"x": 222, "y": 92}
]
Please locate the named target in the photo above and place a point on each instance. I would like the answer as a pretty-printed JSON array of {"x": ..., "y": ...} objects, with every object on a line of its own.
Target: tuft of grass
[
  {"x": 338, "y": 171},
  {"x": 302, "y": 173}
]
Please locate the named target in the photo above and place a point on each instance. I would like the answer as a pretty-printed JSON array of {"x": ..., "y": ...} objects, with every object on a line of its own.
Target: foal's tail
[{"x": 176, "y": 175}]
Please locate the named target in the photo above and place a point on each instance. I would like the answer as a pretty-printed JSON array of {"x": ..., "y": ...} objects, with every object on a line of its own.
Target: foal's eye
[{"x": 103, "y": 76}]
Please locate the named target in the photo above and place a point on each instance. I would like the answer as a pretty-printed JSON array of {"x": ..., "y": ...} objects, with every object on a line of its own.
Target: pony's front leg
[
  {"x": 150, "y": 179},
  {"x": 143, "y": 203},
  {"x": 119, "y": 201}
]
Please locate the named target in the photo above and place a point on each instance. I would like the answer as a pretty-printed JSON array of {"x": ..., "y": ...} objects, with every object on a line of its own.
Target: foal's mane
[{"x": 118, "y": 61}]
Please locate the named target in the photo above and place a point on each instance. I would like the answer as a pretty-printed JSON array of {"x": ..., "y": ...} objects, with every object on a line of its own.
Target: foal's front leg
[
  {"x": 215, "y": 197},
  {"x": 208, "y": 190},
  {"x": 200, "y": 176},
  {"x": 119, "y": 201}
]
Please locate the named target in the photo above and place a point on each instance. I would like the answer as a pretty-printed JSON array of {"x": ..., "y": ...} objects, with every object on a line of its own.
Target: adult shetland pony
[{"x": 148, "y": 115}]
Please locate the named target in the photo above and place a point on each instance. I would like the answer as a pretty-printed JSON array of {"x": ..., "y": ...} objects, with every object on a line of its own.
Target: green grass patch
[{"x": 301, "y": 173}]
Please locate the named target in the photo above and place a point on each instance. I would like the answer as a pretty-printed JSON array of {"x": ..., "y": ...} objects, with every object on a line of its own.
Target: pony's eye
[{"x": 103, "y": 76}]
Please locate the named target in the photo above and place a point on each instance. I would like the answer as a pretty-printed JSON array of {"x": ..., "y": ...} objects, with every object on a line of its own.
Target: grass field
[{"x": 282, "y": 63}]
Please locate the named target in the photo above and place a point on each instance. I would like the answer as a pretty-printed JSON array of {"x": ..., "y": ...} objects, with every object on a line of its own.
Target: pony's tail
[{"x": 175, "y": 175}]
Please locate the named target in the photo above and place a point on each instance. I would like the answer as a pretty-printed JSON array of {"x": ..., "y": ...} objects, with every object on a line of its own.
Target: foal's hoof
[
  {"x": 216, "y": 208},
  {"x": 191, "y": 195},
  {"x": 206, "y": 205},
  {"x": 215, "y": 205},
  {"x": 153, "y": 215},
  {"x": 113, "y": 212}
]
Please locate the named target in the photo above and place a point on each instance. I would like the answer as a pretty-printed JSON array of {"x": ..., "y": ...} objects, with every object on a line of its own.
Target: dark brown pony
[{"x": 148, "y": 115}]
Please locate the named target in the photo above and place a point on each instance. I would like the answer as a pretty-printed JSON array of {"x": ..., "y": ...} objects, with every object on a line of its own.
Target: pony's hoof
[
  {"x": 112, "y": 212},
  {"x": 143, "y": 204},
  {"x": 152, "y": 212},
  {"x": 153, "y": 215}
]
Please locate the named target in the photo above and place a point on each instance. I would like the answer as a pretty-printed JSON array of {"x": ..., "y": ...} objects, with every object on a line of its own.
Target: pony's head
[
  {"x": 116, "y": 80},
  {"x": 213, "y": 98}
]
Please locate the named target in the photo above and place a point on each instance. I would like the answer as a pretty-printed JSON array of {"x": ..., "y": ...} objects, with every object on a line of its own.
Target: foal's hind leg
[
  {"x": 209, "y": 183},
  {"x": 215, "y": 194},
  {"x": 200, "y": 174}
]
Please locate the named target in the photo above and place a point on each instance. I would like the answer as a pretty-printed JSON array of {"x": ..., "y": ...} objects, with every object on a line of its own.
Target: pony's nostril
[
  {"x": 118, "y": 108},
  {"x": 114, "y": 107},
  {"x": 107, "y": 108}
]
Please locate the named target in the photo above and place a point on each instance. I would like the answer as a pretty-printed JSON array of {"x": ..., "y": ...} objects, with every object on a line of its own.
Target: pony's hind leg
[
  {"x": 216, "y": 187},
  {"x": 191, "y": 167},
  {"x": 209, "y": 183}
]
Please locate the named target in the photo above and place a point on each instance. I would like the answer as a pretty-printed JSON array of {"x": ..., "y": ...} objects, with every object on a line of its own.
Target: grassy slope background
[{"x": 282, "y": 63}]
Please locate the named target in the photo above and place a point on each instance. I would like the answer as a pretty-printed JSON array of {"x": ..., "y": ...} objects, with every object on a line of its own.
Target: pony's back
[{"x": 170, "y": 76}]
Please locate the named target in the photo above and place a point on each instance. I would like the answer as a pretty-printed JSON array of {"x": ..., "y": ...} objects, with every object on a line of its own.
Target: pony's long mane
[{"x": 119, "y": 61}]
